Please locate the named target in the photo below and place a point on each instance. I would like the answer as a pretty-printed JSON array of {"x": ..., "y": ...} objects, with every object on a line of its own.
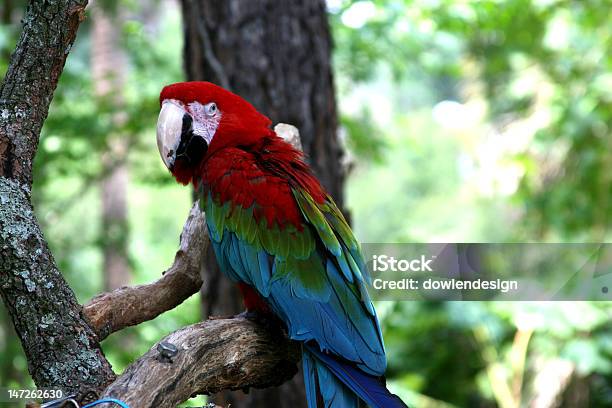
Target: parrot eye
[{"x": 210, "y": 109}]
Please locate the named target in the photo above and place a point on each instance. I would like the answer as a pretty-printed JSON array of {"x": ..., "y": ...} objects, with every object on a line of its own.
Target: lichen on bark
[{"x": 61, "y": 349}]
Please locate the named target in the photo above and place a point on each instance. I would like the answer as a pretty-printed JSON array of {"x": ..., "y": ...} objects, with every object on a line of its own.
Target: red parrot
[{"x": 281, "y": 237}]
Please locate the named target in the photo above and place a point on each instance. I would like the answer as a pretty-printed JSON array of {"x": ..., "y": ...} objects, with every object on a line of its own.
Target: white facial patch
[{"x": 205, "y": 119}]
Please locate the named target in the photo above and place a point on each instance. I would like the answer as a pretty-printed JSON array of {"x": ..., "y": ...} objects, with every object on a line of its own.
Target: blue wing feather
[{"x": 330, "y": 306}]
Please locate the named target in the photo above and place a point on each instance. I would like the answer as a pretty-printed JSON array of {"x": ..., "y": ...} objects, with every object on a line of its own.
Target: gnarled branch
[
  {"x": 211, "y": 356},
  {"x": 128, "y": 306}
]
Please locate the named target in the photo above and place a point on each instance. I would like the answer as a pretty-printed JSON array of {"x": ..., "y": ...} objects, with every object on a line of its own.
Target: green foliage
[
  {"x": 543, "y": 61},
  {"x": 364, "y": 139},
  {"x": 570, "y": 45},
  {"x": 494, "y": 126}
]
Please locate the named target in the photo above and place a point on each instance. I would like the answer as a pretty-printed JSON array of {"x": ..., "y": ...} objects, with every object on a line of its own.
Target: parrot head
[{"x": 199, "y": 118}]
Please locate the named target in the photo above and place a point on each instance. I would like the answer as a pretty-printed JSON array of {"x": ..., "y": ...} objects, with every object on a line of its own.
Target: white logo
[{"x": 383, "y": 263}]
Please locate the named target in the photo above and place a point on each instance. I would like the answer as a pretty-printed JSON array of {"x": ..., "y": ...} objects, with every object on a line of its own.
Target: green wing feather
[{"x": 320, "y": 263}]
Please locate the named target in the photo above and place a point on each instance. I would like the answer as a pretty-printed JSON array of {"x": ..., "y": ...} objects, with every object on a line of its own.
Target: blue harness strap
[{"x": 107, "y": 400}]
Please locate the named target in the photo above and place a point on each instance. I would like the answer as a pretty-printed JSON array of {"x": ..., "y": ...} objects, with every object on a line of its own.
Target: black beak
[{"x": 192, "y": 147}]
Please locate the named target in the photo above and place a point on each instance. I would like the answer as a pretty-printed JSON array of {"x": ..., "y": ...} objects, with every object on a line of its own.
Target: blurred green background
[{"x": 463, "y": 121}]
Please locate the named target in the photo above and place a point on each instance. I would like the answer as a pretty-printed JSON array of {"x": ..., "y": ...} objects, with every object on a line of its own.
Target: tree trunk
[
  {"x": 276, "y": 55},
  {"x": 109, "y": 66},
  {"x": 61, "y": 348}
]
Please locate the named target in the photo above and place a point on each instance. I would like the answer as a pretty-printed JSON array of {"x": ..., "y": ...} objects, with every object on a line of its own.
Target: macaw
[{"x": 280, "y": 236}]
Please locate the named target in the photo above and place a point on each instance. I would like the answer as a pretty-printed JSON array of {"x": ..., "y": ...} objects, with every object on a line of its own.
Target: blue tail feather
[
  {"x": 338, "y": 383},
  {"x": 323, "y": 389}
]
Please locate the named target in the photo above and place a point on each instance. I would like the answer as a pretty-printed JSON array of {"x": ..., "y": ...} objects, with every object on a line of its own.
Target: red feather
[
  {"x": 252, "y": 301},
  {"x": 246, "y": 162}
]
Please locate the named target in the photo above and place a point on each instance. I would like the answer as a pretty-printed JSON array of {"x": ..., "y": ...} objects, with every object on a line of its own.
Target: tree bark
[
  {"x": 276, "y": 55},
  {"x": 62, "y": 350},
  {"x": 210, "y": 356}
]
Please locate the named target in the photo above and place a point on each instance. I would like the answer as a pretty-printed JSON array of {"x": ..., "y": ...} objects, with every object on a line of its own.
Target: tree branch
[
  {"x": 212, "y": 356},
  {"x": 128, "y": 306},
  {"x": 25, "y": 95}
]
